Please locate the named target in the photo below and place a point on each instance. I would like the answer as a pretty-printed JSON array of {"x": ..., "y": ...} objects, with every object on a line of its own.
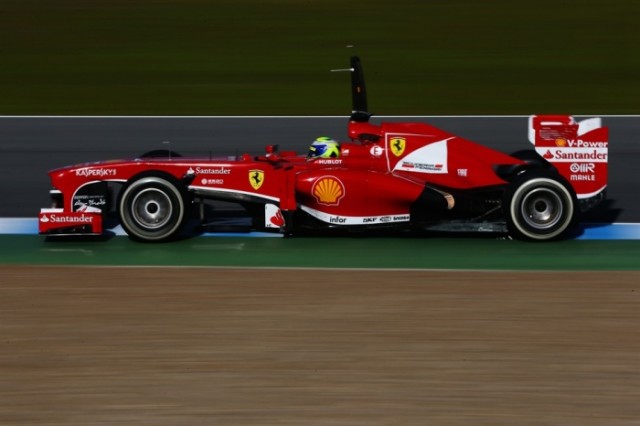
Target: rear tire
[
  {"x": 539, "y": 206},
  {"x": 152, "y": 209}
]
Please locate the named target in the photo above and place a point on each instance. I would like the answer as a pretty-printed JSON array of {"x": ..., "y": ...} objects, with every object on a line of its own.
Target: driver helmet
[{"x": 324, "y": 147}]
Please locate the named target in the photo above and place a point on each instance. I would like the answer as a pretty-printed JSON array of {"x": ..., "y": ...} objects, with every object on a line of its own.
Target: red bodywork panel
[{"x": 380, "y": 174}]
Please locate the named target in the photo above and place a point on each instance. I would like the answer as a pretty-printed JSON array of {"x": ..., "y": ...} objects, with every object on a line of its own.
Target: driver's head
[{"x": 324, "y": 147}]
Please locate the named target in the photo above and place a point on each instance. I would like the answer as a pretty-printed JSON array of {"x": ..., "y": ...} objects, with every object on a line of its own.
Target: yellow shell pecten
[
  {"x": 561, "y": 142},
  {"x": 328, "y": 190}
]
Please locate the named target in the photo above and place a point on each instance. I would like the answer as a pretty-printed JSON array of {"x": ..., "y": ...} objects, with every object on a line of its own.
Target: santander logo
[
  {"x": 277, "y": 219},
  {"x": 53, "y": 218}
]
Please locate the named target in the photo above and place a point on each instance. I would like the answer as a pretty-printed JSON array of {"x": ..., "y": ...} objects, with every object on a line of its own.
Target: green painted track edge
[{"x": 335, "y": 252}]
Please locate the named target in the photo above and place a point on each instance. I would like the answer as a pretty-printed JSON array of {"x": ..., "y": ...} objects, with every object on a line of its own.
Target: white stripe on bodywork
[
  {"x": 356, "y": 220},
  {"x": 425, "y": 159}
]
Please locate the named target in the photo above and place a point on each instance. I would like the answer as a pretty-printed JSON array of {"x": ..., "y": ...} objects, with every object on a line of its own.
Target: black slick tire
[
  {"x": 539, "y": 205},
  {"x": 152, "y": 208}
]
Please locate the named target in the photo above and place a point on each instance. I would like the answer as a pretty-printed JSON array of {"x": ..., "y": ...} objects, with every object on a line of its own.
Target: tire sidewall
[
  {"x": 524, "y": 185},
  {"x": 137, "y": 230}
]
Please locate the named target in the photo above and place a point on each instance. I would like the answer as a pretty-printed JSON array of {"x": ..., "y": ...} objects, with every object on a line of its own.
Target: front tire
[
  {"x": 539, "y": 206},
  {"x": 152, "y": 209}
]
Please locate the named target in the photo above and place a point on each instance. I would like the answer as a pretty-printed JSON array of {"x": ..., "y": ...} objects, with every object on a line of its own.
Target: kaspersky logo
[
  {"x": 256, "y": 178},
  {"x": 101, "y": 173},
  {"x": 397, "y": 145},
  {"x": 328, "y": 190}
]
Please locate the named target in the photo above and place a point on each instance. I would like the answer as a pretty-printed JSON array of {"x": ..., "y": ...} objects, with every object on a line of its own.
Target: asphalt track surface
[{"x": 30, "y": 146}]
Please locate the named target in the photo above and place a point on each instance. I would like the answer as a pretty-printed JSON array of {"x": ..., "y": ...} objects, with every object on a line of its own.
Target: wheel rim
[
  {"x": 542, "y": 208},
  {"x": 151, "y": 208}
]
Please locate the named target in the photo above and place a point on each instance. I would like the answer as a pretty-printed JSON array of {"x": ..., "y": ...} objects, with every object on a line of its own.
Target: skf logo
[
  {"x": 256, "y": 178},
  {"x": 328, "y": 190},
  {"x": 397, "y": 145},
  {"x": 561, "y": 142}
]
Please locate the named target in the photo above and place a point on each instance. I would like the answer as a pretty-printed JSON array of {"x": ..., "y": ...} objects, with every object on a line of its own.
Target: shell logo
[
  {"x": 328, "y": 190},
  {"x": 561, "y": 142}
]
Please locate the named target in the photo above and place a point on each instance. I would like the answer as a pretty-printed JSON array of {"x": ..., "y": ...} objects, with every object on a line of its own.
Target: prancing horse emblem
[
  {"x": 397, "y": 145},
  {"x": 256, "y": 178}
]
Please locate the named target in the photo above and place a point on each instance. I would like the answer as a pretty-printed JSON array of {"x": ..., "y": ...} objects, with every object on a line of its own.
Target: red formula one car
[{"x": 406, "y": 176}]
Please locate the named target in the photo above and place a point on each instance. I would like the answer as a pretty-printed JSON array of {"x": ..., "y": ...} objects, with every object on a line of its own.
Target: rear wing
[{"x": 578, "y": 150}]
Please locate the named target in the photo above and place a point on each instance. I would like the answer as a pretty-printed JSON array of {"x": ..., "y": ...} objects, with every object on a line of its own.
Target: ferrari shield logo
[
  {"x": 397, "y": 145},
  {"x": 256, "y": 178}
]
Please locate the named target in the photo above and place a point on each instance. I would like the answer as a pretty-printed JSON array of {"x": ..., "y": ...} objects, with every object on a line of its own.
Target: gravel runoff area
[{"x": 176, "y": 346}]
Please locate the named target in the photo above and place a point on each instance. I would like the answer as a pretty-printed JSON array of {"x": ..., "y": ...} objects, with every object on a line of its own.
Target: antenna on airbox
[{"x": 168, "y": 144}]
